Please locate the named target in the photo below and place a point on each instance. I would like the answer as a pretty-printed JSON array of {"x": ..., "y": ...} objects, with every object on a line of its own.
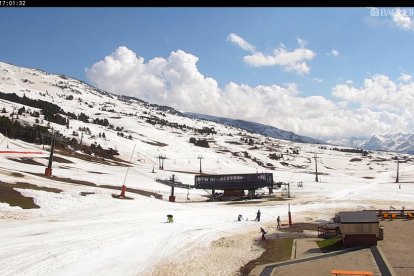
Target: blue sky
[{"x": 342, "y": 45}]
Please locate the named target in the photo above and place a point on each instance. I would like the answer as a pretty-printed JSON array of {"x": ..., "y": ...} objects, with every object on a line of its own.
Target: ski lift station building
[{"x": 234, "y": 184}]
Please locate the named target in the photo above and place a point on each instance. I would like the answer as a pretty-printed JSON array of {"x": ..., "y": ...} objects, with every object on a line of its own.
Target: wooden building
[{"x": 360, "y": 228}]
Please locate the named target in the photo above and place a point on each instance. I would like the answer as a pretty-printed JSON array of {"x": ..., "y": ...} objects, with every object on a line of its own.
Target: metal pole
[
  {"x": 288, "y": 190},
  {"x": 129, "y": 166},
  {"x": 200, "y": 157},
  {"x": 316, "y": 168},
  {"x": 81, "y": 137},
  {"x": 52, "y": 147},
  {"x": 397, "y": 180},
  {"x": 290, "y": 217}
]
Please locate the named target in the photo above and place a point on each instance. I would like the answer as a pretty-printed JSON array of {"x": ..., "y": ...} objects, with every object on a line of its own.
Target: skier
[
  {"x": 240, "y": 218},
  {"x": 278, "y": 222},
  {"x": 258, "y": 215},
  {"x": 263, "y": 233}
]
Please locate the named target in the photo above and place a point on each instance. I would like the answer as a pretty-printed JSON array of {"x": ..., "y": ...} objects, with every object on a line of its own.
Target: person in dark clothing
[
  {"x": 263, "y": 233},
  {"x": 258, "y": 215},
  {"x": 278, "y": 222},
  {"x": 240, "y": 218}
]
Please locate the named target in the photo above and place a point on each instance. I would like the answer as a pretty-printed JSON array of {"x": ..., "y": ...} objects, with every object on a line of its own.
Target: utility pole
[
  {"x": 200, "y": 157},
  {"x": 316, "y": 168},
  {"x": 81, "y": 137},
  {"x": 7, "y": 139},
  {"x": 48, "y": 170},
  {"x": 171, "y": 198},
  {"x": 288, "y": 190},
  {"x": 161, "y": 159},
  {"x": 130, "y": 160},
  {"x": 397, "y": 180}
]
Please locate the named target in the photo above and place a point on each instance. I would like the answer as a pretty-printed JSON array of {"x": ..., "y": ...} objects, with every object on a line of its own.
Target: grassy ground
[{"x": 331, "y": 244}]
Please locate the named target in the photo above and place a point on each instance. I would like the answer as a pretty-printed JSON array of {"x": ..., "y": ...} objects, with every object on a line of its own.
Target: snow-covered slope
[
  {"x": 258, "y": 128},
  {"x": 80, "y": 229}
]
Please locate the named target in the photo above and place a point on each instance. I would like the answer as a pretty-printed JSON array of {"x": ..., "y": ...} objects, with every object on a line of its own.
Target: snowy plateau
[{"x": 78, "y": 228}]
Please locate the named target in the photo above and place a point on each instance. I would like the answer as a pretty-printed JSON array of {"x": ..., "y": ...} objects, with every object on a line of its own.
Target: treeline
[
  {"x": 43, "y": 105},
  {"x": 50, "y": 111},
  {"x": 199, "y": 142},
  {"x": 361, "y": 151},
  {"x": 153, "y": 120},
  {"x": 27, "y": 133},
  {"x": 40, "y": 134}
]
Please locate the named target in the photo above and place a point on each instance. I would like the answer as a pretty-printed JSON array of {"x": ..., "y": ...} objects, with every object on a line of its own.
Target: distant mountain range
[
  {"x": 403, "y": 143},
  {"x": 257, "y": 128}
]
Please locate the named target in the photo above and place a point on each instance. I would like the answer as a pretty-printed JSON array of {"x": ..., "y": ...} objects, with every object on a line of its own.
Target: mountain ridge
[{"x": 257, "y": 128}]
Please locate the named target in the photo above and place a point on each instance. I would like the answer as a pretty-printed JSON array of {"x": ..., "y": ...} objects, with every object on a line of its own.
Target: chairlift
[{"x": 284, "y": 191}]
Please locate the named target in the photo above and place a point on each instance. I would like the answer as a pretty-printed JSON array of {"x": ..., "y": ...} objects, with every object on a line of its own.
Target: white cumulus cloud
[
  {"x": 381, "y": 104},
  {"x": 290, "y": 61},
  {"x": 382, "y": 95},
  {"x": 405, "y": 77},
  {"x": 402, "y": 20}
]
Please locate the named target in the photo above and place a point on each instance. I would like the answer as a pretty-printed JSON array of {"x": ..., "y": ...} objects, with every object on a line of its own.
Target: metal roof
[{"x": 358, "y": 217}]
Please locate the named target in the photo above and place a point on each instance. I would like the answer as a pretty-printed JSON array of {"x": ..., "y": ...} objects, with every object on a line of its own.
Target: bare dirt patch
[
  {"x": 26, "y": 160},
  {"x": 60, "y": 159},
  {"x": 110, "y": 162},
  {"x": 91, "y": 184},
  {"x": 134, "y": 191},
  {"x": 155, "y": 143},
  {"x": 276, "y": 250},
  {"x": 96, "y": 172},
  {"x": 66, "y": 180},
  {"x": 16, "y": 174},
  {"x": 278, "y": 247},
  {"x": 233, "y": 143},
  {"x": 236, "y": 250},
  {"x": 25, "y": 185},
  {"x": 9, "y": 195},
  {"x": 355, "y": 160},
  {"x": 241, "y": 252},
  {"x": 300, "y": 227},
  {"x": 86, "y": 193}
]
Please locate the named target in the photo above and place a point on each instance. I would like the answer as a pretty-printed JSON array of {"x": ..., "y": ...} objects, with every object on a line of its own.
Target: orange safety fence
[{"x": 21, "y": 152}]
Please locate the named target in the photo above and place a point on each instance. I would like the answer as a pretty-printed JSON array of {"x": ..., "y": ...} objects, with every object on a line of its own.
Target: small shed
[{"x": 360, "y": 228}]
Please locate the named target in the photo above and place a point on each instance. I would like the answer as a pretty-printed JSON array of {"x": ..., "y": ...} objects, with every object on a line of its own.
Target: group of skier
[{"x": 262, "y": 230}]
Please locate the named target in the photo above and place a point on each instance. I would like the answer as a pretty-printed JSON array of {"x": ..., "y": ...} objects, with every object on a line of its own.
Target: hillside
[
  {"x": 257, "y": 128},
  {"x": 70, "y": 223}
]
